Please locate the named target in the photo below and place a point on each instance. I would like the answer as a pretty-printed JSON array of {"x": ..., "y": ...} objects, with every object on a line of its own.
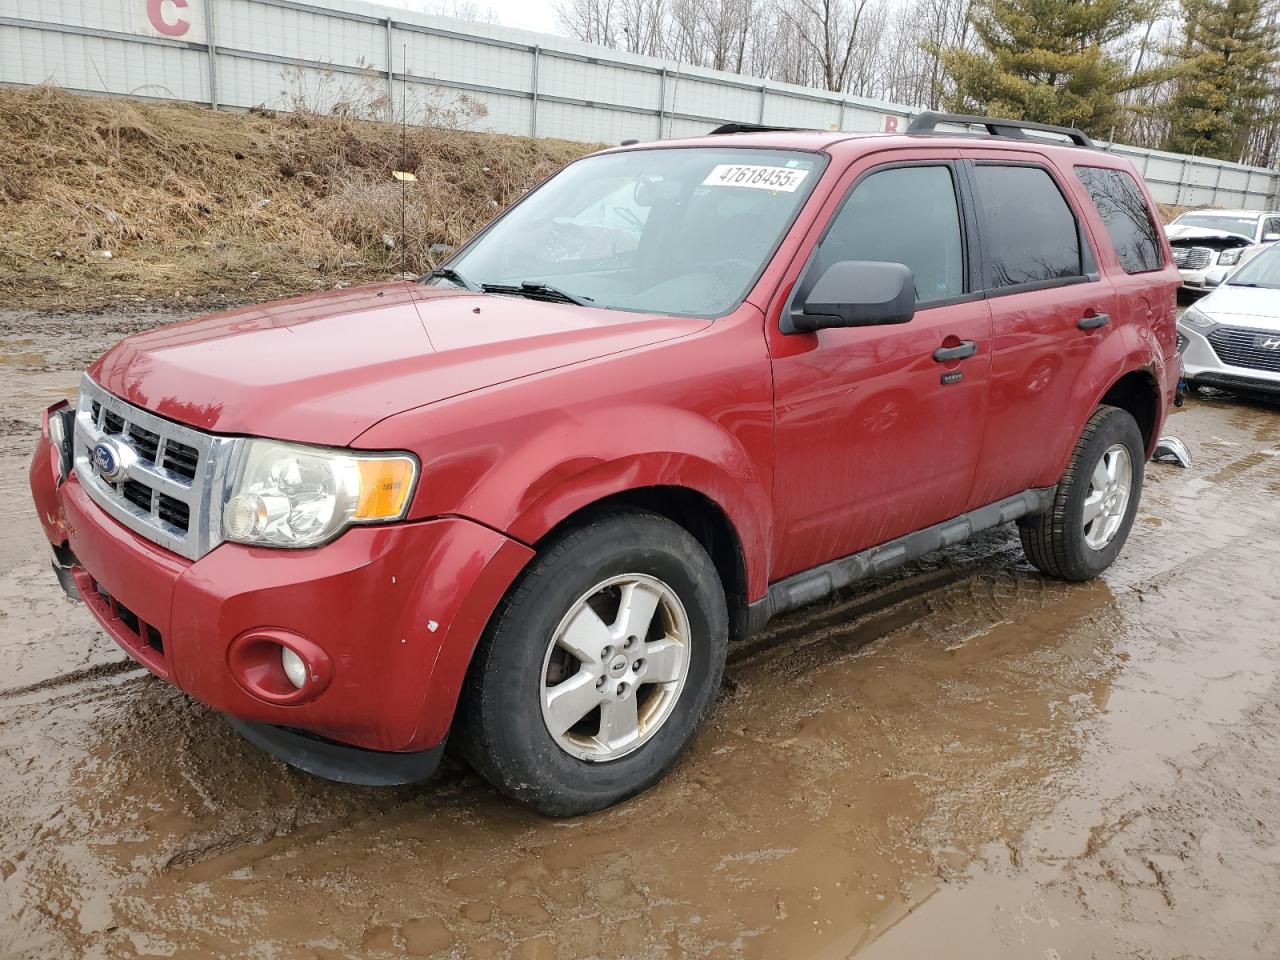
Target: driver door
[{"x": 874, "y": 437}]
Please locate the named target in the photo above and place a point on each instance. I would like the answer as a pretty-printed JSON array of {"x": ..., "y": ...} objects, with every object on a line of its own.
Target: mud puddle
[{"x": 964, "y": 759}]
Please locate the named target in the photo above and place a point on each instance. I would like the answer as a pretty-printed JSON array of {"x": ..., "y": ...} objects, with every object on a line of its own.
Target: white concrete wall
[{"x": 243, "y": 53}]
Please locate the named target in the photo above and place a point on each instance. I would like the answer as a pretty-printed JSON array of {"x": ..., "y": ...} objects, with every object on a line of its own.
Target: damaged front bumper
[{"x": 392, "y": 614}]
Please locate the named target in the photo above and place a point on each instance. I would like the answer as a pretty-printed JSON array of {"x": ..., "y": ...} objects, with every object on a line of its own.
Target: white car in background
[
  {"x": 1209, "y": 244},
  {"x": 1231, "y": 338}
]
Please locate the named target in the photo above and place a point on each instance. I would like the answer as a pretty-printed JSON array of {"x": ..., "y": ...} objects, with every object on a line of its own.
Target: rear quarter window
[{"x": 1123, "y": 210}]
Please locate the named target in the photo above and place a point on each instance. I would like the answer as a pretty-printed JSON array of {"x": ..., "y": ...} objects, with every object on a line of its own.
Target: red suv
[{"x": 525, "y": 504}]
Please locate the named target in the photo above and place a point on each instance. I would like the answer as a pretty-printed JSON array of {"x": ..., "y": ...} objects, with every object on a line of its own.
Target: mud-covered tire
[
  {"x": 501, "y": 727},
  {"x": 1055, "y": 542}
]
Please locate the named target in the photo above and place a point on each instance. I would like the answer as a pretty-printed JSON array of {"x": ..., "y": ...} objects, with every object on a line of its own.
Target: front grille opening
[
  {"x": 181, "y": 459},
  {"x": 145, "y": 442},
  {"x": 144, "y": 631},
  {"x": 1242, "y": 347},
  {"x": 112, "y": 423},
  {"x": 139, "y": 494},
  {"x": 128, "y": 618},
  {"x": 96, "y": 409},
  {"x": 173, "y": 512}
]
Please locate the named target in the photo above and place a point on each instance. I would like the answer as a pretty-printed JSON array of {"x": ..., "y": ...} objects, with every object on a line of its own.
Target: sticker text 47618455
[{"x": 785, "y": 179}]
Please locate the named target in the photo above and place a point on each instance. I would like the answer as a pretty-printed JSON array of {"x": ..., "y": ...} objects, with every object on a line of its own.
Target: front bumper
[
  {"x": 397, "y": 609},
  {"x": 1201, "y": 364}
]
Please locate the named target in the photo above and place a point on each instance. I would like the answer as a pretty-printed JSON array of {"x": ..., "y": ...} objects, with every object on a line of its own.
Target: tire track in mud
[{"x": 85, "y": 676}]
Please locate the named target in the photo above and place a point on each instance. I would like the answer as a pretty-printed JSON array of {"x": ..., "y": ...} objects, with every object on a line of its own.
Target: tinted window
[
  {"x": 1031, "y": 233},
  {"x": 903, "y": 215},
  {"x": 1123, "y": 209},
  {"x": 1271, "y": 226}
]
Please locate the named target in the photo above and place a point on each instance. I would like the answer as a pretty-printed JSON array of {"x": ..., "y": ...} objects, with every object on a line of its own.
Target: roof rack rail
[
  {"x": 750, "y": 128},
  {"x": 1012, "y": 129}
]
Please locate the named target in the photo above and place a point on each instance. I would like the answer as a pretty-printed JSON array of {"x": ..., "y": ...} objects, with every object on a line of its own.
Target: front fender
[
  {"x": 521, "y": 457},
  {"x": 729, "y": 483}
]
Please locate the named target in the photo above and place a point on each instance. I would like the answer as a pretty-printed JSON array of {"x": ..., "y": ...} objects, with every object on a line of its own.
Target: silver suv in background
[
  {"x": 1231, "y": 338},
  {"x": 1209, "y": 244}
]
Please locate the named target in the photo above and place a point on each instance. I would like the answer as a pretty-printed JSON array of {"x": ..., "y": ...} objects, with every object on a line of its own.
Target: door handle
[
  {"x": 1093, "y": 321},
  {"x": 967, "y": 348}
]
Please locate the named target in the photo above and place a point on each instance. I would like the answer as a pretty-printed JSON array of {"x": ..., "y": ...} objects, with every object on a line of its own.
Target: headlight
[
  {"x": 1229, "y": 258},
  {"x": 1194, "y": 317},
  {"x": 289, "y": 495}
]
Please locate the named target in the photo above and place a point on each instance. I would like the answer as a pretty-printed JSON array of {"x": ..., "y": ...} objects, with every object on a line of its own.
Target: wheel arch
[
  {"x": 696, "y": 513},
  {"x": 1138, "y": 393}
]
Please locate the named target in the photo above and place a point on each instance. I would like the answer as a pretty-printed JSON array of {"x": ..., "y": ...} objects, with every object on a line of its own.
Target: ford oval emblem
[{"x": 105, "y": 459}]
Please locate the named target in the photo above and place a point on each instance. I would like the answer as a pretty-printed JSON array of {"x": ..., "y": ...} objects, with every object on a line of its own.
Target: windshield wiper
[
  {"x": 452, "y": 275},
  {"x": 536, "y": 290}
]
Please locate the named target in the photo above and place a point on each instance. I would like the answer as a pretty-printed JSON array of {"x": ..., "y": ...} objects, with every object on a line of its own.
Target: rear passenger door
[
  {"x": 1050, "y": 309},
  {"x": 1146, "y": 287}
]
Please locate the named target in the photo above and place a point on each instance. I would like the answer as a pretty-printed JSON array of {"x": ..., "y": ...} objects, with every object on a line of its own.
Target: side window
[
  {"x": 1270, "y": 226},
  {"x": 903, "y": 215},
  {"x": 1124, "y": 212},
  {"x": 1031, "y": 234}
]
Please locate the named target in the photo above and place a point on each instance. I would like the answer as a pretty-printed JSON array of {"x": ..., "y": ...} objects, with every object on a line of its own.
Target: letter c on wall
[{"x": 155, "y": 13}]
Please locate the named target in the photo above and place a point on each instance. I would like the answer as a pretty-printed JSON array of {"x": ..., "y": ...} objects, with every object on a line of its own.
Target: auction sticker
[{"x": 753, "y": 175}]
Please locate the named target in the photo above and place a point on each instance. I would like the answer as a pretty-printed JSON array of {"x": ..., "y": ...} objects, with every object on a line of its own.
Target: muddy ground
[{"x": 963, "y": 760}]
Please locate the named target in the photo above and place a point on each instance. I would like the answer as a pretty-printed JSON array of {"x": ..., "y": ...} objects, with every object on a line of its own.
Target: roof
[{"x": 844, "y": 143}]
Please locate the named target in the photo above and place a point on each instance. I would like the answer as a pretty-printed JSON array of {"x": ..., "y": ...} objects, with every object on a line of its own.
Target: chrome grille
[
  {"x": 167, "y": 480},
  {"x": 1243, "y": 347},
  {"x": 1192, "y": 258}
]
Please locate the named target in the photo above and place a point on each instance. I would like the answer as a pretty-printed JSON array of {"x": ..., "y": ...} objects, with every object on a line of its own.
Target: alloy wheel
[{"x": 615, "y": 667}]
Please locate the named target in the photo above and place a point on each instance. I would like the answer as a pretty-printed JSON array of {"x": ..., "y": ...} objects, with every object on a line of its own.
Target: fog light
[
  {"x": 294, "y": 668},
  {"x": 279, "y": 666}
]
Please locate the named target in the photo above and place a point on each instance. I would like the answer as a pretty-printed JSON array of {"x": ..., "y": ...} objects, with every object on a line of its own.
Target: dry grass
[{"x": 196, "y": 206}]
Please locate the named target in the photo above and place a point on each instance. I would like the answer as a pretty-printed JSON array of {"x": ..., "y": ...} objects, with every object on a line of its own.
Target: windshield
[
  {"x": 676, "y": 231},
  {"x": 1262, "y": 271},
  {"x": 1214, "y": 221}
]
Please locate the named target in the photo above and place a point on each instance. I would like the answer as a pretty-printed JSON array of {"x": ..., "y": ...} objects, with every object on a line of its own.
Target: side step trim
[{"x": 807, "y": 586}]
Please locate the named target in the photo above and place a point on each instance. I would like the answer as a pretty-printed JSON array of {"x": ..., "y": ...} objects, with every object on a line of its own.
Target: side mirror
[
  {"x": 1213, "y": 279},
  {"x": 1270, "y": 237},
  {"x": 856, "y": 293}
]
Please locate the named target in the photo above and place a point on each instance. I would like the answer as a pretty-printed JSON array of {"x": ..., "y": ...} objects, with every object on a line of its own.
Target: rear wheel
[
  {"x": 598, "y": 667},
  {"x": 1095, "y": 503}
]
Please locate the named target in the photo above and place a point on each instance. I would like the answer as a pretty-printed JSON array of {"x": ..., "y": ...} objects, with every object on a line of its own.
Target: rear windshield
[
  {"x": 1215, "y": 221},
  {"x": 681, "y": 231}
]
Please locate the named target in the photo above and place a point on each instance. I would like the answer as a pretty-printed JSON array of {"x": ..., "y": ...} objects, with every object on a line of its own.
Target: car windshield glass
[
  {"x": 1262, "y": 271},
  {"x": 1210, "y": 221},
  {"x": 677, "y": 231}
]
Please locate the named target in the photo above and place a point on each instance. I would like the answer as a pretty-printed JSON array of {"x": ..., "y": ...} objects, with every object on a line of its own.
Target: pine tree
[
  {"x": 1227, "y": 75},
  {"x": 1048, "y": 61}
]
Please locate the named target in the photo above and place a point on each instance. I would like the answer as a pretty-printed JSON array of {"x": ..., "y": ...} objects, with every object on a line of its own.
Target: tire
[
  {"x": 1059, "y": 542},
  {"x": 505, "y": 716}
]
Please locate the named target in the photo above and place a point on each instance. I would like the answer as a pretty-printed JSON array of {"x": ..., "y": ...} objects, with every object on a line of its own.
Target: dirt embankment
[{"x": 112, "y": 202}]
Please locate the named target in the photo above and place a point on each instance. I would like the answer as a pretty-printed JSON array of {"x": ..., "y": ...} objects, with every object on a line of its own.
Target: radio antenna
[{"x": 404, "y": 150}]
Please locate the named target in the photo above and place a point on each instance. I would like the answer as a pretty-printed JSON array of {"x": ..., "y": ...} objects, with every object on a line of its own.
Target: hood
[
  {"x": 325, "y": 368},
  {"x": 1255, "y": 307},
  {"x": 1184, "y": 236}
]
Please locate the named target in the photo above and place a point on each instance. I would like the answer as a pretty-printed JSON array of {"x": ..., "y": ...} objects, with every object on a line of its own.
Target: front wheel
[
  {"x": 598, "y": 667},
  {"x": 1095, "y": 503}
]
